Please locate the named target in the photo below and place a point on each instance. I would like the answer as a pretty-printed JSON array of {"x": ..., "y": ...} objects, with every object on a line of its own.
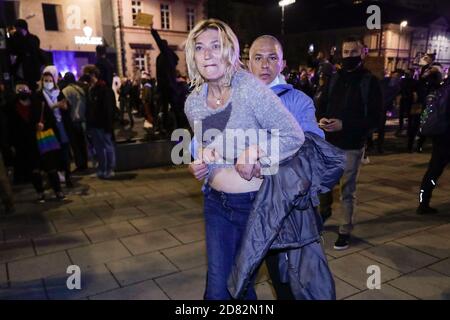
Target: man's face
[
  {"x": 266, "y": 60},
  {"x": 351, "y": 49}
]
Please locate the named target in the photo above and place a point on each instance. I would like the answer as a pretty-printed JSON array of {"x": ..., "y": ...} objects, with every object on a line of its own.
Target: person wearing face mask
[
  {"x": 53, "y": 100},
  {"x": 28, "y": 163},
  {"x": 52, "y": 114},
  {"x": 354, "y": 109}
]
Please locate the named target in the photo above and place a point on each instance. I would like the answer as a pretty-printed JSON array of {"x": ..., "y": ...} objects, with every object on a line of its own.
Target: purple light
[{"x": 65, "y": 61}]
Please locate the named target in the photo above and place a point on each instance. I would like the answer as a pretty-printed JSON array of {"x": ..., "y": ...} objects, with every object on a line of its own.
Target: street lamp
[
  {"x": 403, "y": 24},
  {"x": 283, "y": 4}
]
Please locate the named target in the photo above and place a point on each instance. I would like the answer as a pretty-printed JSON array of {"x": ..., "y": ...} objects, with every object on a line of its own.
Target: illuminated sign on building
[{"x": 88, "y": 39}]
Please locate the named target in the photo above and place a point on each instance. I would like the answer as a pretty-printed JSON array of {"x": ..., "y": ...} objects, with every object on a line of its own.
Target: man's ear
[{"x": 284, "y": 64}]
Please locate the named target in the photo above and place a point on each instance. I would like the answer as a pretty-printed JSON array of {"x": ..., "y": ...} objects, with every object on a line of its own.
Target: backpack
[{"x": 433, "y": 120}]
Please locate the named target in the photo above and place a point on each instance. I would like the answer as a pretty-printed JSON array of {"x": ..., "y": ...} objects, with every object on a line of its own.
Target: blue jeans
[
  {"x": 226, "y": 216},
  {"x": 104, "y": 149}
]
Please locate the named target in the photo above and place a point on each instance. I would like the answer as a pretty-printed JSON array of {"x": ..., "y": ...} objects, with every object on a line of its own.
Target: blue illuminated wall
[{"x": 72, "y": 61}]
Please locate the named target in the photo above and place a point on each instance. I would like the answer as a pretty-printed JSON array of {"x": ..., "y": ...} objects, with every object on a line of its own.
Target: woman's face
[
  {"x": 208, "y": 58},
  {"x": 48, "y": 82}
]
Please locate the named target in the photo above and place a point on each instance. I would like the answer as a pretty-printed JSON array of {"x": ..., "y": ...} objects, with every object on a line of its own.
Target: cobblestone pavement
[{"x": 141, "y": 236}]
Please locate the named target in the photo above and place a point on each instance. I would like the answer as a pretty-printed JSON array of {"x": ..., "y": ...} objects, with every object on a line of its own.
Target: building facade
[
  {"x": 400, "y": 47},
  {"x": 173, "y": 19},
  {"x": 69, "y": 30}
]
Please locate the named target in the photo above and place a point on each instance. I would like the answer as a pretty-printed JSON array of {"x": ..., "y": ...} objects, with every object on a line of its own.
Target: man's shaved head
[
  {"x": 266, "y": 38},
  {"x": 266, "y": 58}
]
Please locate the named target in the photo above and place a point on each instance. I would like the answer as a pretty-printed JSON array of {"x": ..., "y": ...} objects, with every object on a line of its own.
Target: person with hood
[{"x": 55, "y": 112}]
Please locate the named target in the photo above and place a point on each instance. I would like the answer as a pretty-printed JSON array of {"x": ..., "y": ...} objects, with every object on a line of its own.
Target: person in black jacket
[
  {"x": 28, "y": 116},
  {"x": 166, "y": 76},
  {"x": 104, "y": 65},
  {"x": 354, "y": 109},
  {"x": 440, "y": 156},
  {"x": 24, "y": 47},
  {"x": 6, "y": 193},
  {"x": 100, "y": 121}
]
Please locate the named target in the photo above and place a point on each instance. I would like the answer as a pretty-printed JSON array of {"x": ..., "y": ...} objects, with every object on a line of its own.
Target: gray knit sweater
[{"x": 252, "y": 105}]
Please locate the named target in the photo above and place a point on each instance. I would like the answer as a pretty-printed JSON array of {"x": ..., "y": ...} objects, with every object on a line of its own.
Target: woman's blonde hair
[{"x": 229, "y": 50}]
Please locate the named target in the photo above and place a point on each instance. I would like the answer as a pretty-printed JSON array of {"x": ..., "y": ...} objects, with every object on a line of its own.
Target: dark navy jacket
[{"x": 284, "y": 218}]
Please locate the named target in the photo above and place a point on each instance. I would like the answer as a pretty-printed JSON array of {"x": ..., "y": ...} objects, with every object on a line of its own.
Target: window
[
  {"x": 50, "y": 16},
  {"x": 10, "y": 9},
  {"x": 140, "y": 60},
  {"x": 165, "y": 19},
  {"x": 136, "y": 7},
  {"x": 190, "y": 18}
]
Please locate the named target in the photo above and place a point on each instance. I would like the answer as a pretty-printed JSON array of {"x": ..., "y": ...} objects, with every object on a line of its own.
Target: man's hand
[
  {"x": 330, "y": 125},
  {"x": 209, "y": 155},
  {"x": 198, "y": 169},
  {"x": 247, "y": 164}
]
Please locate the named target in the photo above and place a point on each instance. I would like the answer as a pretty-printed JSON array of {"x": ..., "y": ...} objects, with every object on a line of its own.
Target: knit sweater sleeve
[{"x": 271, "y": 115}]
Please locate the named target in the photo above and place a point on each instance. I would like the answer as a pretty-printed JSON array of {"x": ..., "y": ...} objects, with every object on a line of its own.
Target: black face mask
[
  {"x": 351, "y": 63},
  {"x": 24, "y": 96}
]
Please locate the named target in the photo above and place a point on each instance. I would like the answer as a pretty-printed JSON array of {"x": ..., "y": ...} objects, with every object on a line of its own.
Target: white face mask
[{"x": 49, "y": 85}]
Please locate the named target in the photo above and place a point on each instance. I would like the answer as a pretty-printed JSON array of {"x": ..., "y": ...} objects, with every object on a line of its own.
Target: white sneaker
[
  {"x": 365, "y": 160},
  {"x": 147, "y": 125},
  {"x": 61, "y": 176},
  {"x": 109, "y": 175}
]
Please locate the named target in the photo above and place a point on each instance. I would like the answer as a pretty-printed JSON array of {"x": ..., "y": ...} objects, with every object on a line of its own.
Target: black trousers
[
  {"x": 79, "y": 145},
  {"x": 440, "y": 157},
  {"x": 282, "y": 290}
]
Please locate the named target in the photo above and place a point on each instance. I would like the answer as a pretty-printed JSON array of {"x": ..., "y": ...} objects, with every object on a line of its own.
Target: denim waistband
[{"x": 244, "y": 196}]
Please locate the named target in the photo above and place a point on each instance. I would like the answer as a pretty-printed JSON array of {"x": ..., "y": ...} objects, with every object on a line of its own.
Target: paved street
[{"x": 141, "y": 236}]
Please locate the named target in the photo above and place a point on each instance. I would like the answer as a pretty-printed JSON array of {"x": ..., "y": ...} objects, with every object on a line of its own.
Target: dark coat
[
  {"x": 29, "y": 56},
  {"x": 284, "y": 217},
  {"x": 346, "y": 102},
  {"x": 49, "y": 118},
  {"x": 166, "y": 64},
  {"x": 101, "y": 107}
]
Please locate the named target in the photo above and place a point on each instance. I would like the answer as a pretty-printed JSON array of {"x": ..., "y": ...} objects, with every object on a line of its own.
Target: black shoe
[
  {"x": 423, "y": 210},
  {"x": 60, "y": 196},
  {"x": 69, "y": 183},
  {"x": 342, "y": 242},
  {"x": 325, "y": 215}
]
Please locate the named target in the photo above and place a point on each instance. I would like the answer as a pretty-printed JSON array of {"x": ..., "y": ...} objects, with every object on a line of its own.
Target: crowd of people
[
  {"x": 49, "y": 120},
  {"x": 340, "y": 101},
  {"x": 323, "y": 117}
]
